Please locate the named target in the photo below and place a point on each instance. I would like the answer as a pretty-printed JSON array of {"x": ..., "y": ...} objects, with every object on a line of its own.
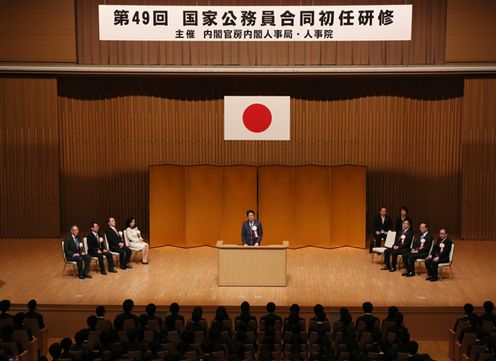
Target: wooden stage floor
[{"x": 337, "y": 277}]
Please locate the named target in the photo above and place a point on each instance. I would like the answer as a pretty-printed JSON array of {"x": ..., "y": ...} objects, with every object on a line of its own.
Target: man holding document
[{"x": 251, "y": 230}]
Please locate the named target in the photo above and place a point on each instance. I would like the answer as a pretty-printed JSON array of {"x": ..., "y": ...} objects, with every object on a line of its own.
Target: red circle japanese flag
[{"x": 256, "y": 118}]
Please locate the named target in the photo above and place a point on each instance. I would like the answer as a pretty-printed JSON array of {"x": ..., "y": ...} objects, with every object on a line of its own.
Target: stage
[{"x": 32, "y": 268}]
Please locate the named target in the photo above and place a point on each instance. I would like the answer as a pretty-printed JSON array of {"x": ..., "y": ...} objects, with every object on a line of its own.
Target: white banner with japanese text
[{"x": 255, "y": 23}]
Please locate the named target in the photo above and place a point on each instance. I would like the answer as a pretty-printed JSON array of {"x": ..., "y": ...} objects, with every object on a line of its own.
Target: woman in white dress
[{"x": 136, "y": 242}]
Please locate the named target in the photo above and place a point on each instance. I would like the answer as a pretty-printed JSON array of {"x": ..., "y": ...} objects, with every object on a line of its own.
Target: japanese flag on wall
[{"x": 256, "y": 118}]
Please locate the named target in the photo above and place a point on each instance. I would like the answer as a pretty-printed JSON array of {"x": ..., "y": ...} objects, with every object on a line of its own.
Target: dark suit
[
  {"x": 382, "y": 227},
  {"x": 398, "y": 227},
  {"x": 420, "y": 250},
  {"x": 441, "y": 249},
  {"x": 113, "y": 239},
  {"x": 94, "y": 245},
  {"x": 248, "y": 236},
  {"x": 403, "y": 242},
  {"x": 72, "y": 247}
]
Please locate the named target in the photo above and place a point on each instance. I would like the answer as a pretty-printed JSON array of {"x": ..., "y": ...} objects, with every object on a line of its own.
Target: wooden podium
[{"x": 251, "y": 266}]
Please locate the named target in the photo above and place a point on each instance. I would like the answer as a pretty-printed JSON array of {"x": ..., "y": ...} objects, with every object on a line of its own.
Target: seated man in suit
[
  {"x": 116, "y": 244},
  {"x": 401, "y": 247},
  {"x": 382, "y": 224},
  {"x": 439, "y": 254},
  {"x": 251, "y": 230},
  {"x": 96, "y": 248},
  {"x": 420, "y": 250},
  {"x": 75, "y": 252}
]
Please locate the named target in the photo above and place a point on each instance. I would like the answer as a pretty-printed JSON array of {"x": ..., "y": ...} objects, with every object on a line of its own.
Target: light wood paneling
[
  {"x": 38, "y": 31},
  {"x": 29, "y": 158},
  {"x": 406, "y": 131},
  {"x": 426, "y": 47},
  {"x": 479, "y": 159},
  {"x": 471, "y": 30}
]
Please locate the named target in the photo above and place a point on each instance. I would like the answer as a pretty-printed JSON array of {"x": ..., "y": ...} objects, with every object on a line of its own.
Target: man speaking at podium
[{"x": 251, "y": 230}]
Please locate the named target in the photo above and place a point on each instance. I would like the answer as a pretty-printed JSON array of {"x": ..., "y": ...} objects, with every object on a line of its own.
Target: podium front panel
[{"x": 252, "y": 266}]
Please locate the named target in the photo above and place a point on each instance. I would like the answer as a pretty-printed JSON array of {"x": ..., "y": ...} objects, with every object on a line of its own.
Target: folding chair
[
  {"x": 114, "y": 254},
  {"x": 133, "y": 251},
  {"x": 389, "y": 243},
  {"x": 93, "y": 260},
  {"x": 71, "y": 263},
  {"x": 441, "y": 266}
]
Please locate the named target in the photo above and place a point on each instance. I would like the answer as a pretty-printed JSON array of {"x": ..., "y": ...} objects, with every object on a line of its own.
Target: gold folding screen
[
  {"x": 194, "y": 206},
  {"x": 308, "y": 205}
]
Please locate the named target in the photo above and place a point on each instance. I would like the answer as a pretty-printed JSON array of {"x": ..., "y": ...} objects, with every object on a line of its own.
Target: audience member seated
[
  {"x": 174, "y": 320},
  {"x": 136, "y": 242},
  {"x": 222, "y": 321},
  {"x": 468, "y": 310},
  {"x": 75, "y": 252},
  {"x": 55, "y": 350},
  {"x": 127, "y": 314},
  {"x": 79, "y": 343},
  {"x": 401, "y": 247},
  {"x": 117, "y": 244},
  {"x": 8, "y": 333},
  {"x": 196, "y": 324},
  {"x": 96, "y": 248},
  {"x": 439, "y": 254},
  {"x": 5, "y": 317},
  {"x": 102, "y": 323},
  {"x": 474, "y": 327},
  {"x": 66, "y": 344},
  {"x": 398, "y": 330},
  {"x": 271, "y": 318},
  {"x": 345, "y": 326},
  {"x": 319, "y": 322},
  {"x": 382, "y": 225},
  {"x": 294, "y": 324},
  {"x": 376, "y": 343},
  {"x": 135, "y": 346},
  {"x": 33, "y": 314},
  {"x": 19, "y": 325},
  {"x": 246, "y": 321},
  {"x": 420, "y": 250},
  {"x": 488, "y": 316},
  {"x": 367, "y": 308},
  {"x": 150, "y": 310},
  {"x": 91, "y": 323}
]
